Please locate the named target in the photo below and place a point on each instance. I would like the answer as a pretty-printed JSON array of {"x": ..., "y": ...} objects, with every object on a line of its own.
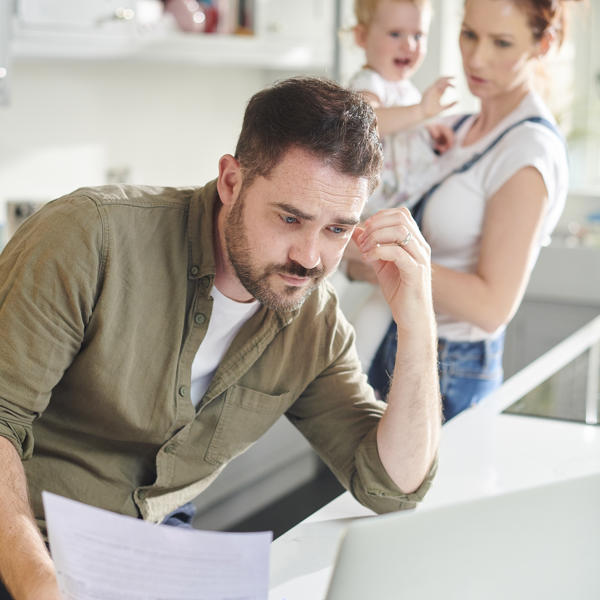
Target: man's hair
[
  {"x": 313, "y": 114},
  {"x": 364, "y": 10}
]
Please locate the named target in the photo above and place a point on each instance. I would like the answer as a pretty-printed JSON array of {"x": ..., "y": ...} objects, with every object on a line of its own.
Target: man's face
[{"x": 286, "y": 232}]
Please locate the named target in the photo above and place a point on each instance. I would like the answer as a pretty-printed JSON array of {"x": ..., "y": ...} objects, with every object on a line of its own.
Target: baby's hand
[
  {"x": 442, "y": 136},
  {"x": 431, "y": 103}
]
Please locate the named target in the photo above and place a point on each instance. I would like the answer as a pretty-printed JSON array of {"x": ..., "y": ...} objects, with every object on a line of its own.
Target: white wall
[{"x": 71, "y": 121}]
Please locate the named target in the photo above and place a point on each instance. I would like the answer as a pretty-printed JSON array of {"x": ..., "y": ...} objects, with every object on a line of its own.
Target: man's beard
[{"x": 255, "y": 280}]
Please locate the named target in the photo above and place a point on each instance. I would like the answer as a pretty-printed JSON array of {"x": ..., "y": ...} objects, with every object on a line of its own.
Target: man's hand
[
  {"x": 356, "y": 268},
  {"x": 431, "y": 102},
  {"x": 391, "y": 242},
  {"x": 408, "y": 433}
]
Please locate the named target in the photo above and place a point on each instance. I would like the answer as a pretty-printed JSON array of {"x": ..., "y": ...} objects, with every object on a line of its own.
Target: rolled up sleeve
[
  {"x": 374, "y": 488},
  {"x": 339, "y": 415},
  {"x": 16, "y": 426}
]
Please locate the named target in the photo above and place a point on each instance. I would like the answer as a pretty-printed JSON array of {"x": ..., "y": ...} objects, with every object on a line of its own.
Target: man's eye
[
  {"x": 503, "y": 44},
  {"x": 467, "y": 34},
  {"x": 289, "y": 220},
  {"x": 395, "y": 34},
  {"x": 337, "y": 230}
]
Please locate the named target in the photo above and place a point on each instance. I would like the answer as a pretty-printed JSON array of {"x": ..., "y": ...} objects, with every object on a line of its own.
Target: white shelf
[{"x": 269, "y": 52}]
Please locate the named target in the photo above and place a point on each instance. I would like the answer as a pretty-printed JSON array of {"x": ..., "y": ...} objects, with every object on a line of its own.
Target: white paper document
[{"x": 100, "y": 555}]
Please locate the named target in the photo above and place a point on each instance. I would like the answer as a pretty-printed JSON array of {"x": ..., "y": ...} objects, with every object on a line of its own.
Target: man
[{"x": 150, "y": 335}]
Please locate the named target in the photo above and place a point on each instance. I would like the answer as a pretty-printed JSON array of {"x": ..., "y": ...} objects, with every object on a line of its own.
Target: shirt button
[
  {"x": 194, "y": 270},
  {"x": 182, "y": 390},
  {"x": 170, "y": 448},
  {"x": 142, "y": 494},
  {"x": 205, "y": 282},
  {"x": 199, "y": 318}
]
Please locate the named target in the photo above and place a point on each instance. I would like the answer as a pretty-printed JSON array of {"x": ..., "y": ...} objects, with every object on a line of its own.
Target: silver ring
[{"x": 405, "y": 241}]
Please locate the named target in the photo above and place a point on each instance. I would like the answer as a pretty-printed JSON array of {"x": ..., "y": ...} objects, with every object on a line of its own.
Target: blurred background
[{"x": 153, "y": 92}]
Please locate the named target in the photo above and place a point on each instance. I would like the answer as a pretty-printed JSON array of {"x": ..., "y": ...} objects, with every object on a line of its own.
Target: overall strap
[
  {"x": 419, "y": 208},
  {"x": 460, "y": 121},
  {"x": 455, "y": 127}
]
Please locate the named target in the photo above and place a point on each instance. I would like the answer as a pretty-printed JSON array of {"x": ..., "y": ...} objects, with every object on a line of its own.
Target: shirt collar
[{"x": 203, "y": 206}]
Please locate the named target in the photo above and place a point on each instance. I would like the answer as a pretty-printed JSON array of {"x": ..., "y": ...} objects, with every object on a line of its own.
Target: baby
[{"x": 393, "y": 34}]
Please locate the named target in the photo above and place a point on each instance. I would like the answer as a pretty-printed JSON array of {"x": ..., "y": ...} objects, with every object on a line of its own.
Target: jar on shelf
[{"x": 193, "y": 16}]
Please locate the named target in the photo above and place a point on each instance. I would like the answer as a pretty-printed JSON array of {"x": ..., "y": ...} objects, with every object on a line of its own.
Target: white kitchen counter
[{"x": 482, "y": 453}]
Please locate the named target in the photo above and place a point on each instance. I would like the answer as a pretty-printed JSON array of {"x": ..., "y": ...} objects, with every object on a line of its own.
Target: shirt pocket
[{"x": 246, "y": 415}]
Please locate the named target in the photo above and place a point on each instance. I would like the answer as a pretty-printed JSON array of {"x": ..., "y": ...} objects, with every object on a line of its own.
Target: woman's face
[{"x": 497, "y": 47}]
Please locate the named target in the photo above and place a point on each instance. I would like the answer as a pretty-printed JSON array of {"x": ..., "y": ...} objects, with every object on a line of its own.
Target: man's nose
[{"x": 306, "y": 252}]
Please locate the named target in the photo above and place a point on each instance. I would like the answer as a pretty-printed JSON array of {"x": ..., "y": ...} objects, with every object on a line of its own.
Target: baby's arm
[{"x": 395, "y": 118}]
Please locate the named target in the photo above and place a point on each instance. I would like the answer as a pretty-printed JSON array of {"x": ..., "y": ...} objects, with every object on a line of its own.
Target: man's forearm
[
  {"x": 25, "y": 565},
  {"x": 408, "y": 433}
]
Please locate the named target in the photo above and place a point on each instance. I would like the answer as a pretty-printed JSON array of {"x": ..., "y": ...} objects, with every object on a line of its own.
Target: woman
[{"x": 499, "y": 193}]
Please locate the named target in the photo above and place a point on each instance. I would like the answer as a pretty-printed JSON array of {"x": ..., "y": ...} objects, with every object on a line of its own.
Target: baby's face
[{"x": 395, "y": 42}]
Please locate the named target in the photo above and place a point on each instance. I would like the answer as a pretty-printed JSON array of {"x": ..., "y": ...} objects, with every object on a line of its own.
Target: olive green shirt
[{"x": 104, "y": 301}]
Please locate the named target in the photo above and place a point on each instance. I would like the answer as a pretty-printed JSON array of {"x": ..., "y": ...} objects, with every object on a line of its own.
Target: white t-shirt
[
  {"x": 454, "y": 215},
  {"x": 226, "y": 320},
  {"x": 406, "y": 153}
]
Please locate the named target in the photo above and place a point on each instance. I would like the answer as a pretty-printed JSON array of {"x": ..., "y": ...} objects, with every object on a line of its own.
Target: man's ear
[
  {"x": 229, "y": 182},
  {"x": 360, "y": 35}
]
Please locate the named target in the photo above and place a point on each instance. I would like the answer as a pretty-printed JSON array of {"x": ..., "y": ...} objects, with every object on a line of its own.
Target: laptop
[{"x": 539, "y": 543}]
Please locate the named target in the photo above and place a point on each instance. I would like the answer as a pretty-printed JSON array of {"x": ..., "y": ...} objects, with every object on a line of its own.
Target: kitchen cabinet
[
  {"x": 287, "y": 35},
  {"x": 563, "y": 295},
  {"x": 538, "y": 326}
]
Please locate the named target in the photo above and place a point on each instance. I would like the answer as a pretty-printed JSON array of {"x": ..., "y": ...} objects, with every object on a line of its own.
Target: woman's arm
[{"x": 489, "y": 297}]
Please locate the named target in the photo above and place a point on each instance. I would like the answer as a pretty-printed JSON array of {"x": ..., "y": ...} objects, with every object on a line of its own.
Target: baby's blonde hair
[{"x": 364, "y": 10}]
